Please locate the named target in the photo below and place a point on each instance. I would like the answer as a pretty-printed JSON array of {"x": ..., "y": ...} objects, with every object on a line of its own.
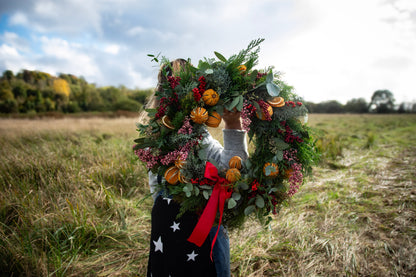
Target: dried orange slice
[
  {"x": 180, "y": 163},
  {"x": 276, "y": 102},
  {"x": 270, "y": 169},
  {"x": 166, "y": 121},
  {"x": 260, "y": 114},
  {"x": 172, "y": 175}
]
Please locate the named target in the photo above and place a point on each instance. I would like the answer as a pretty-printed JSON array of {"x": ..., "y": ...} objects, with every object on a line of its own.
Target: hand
[{"x": 232, "y": 119}]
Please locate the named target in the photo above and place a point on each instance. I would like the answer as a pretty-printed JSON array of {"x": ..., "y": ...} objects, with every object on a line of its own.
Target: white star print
[
  {"x": 158, "y": 245},
  {"x": 175, "y": 226},
  {"x": 167, "y": 199},
  {"x": 191, "y": 256}
]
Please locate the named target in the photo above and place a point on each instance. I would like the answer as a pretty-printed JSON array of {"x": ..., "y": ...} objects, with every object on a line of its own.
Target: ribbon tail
[
  {"x": 222, "y": 197},
  {"x": 205, "y": 222}
]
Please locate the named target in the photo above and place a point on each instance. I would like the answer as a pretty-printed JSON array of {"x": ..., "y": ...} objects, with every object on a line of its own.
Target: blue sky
[{"x": 327, "y": 50}]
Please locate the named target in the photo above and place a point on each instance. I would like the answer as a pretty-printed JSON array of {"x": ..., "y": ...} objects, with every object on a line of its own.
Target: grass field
[{"x": 73, "y": 202}]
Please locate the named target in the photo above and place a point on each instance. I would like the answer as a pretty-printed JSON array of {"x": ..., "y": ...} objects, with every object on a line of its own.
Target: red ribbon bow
[{"x": 217, "y": 200}]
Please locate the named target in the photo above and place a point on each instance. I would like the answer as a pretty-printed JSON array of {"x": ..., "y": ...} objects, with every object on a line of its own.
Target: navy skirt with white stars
[{"x": 171, "y": 255}]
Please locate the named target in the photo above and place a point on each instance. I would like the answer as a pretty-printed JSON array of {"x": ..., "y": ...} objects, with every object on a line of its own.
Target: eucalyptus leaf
[
  {"x": 205, "y": 187},
  {"x": 279, "y": 155},
  {"x": 280, "y": 144},
  {"x": 269, "y": 170},
  {"x": 151, "y": 112},
  {"x": 203, "y": 65},
  {"x": 236, "y": 196},
  {"x": 249, "y": 209},
  {"x": 247, "y": 164},
  {"x": 202, "y": 154},
  {"x": 188, "y": 194},
  {"x": 196, "y": 190},
  {"x": 219, "y": 109},
  {"x": 209, "y": 71},
  {"x": 244, "y": 186},
  {"x": 259, "y": 201},
  {"x": 190, "y": 187},
  {"x": 240, "y": 104},
  {"x": 205, "y": 194},
  {"x": 232, "y": 105},
  {"x": 140, "y": 140},
  {"x": 220, "y": 57},
  {"x": 231, "y": 203},
  {"x": 272, "y": 89},
  {"x": 272, "y": 190},
  {"x": 144, "y": 144}
]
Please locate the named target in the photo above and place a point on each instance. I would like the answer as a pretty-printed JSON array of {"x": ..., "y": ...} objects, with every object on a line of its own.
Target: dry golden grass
[
  {"x": 121, "y": 125},
  {"x": 72, "y": 202}
]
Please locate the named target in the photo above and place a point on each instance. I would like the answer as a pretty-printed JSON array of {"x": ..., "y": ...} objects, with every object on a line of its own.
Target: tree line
[
  {"x": 32, "y": 92},
  {"x": 382, "y": 101}
]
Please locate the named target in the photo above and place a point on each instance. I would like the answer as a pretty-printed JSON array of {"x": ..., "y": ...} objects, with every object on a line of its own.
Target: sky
[{"x": 327, "y": 49}]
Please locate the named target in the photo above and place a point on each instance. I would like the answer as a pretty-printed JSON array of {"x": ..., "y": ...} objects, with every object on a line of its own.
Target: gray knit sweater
[{"x": 234, "y": 145}]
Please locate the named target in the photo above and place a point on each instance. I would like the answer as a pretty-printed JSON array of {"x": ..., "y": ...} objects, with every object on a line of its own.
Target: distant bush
[{"x": 32, "y": 92}]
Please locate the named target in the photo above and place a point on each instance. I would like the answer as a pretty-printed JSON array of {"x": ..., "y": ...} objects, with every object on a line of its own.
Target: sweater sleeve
[
  {"x": 153, "y": 184},
  {"x": 234, "y": 145}
]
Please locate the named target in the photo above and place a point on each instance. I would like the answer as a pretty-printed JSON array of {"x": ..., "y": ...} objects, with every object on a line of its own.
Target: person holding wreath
[
  {"x": 171, "y": 254},
  {"x": 198, "y": 185}
]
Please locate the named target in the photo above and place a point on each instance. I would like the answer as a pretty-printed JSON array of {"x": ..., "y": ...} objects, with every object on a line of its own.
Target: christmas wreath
[{"x": 171, "y": 143}]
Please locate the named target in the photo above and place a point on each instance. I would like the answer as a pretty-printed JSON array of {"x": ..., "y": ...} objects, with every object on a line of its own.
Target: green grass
[{"x": 73, "y": 202}]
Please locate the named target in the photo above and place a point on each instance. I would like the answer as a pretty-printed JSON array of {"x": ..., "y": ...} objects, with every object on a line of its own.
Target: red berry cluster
[
  {"x": 260, "y": 75},
  {"x": 202, "y": 84},
  {"x": 274, "y": 203},
  {"x": 289, "y": 136},
  {"x": 254, "y": 185},
  {"x": 204, "y": 181},
  {"x": 200, "y": 89},
  {"x": 197, "y": 95},
  {"x": 293, "y": 104},
  {"x": 173, "y": 81},
  {"x": 250, "y": 109},
  {"x": 264, "y": 107},
  {"x": 164, "y": 103}
]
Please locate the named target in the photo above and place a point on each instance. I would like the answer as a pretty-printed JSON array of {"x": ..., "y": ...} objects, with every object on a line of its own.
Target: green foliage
[{"x": 34, "y": 92}]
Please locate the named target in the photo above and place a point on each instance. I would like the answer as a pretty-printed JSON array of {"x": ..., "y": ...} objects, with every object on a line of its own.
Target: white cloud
[
  {"x": 68, "y": 57},
  {"x": 328, "y": 49},
  {"x": 137, "y": 30},
  {"x": 11, "y": 59},
  {"x": 338, "y": 50},
  {"x": 113, "y": 49},
  {"x": 7, "y": 51},
  {"x": 138, "y": 80},
  {"x": 18, "y": 19}
]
